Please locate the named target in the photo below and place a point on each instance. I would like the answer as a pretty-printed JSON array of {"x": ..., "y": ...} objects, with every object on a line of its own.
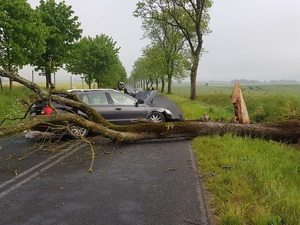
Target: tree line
[{"x": 49, "y": 37}]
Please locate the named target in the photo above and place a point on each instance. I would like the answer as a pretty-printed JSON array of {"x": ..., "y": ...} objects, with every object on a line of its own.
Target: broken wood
[{"x": 240, "y": 109}]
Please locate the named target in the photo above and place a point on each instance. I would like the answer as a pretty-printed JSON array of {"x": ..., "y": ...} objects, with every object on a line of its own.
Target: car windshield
[{"x": 122, "y": 99}]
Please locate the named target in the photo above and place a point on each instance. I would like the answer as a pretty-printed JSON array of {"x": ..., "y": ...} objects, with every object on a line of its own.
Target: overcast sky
[{"x": 253, "y": 39}]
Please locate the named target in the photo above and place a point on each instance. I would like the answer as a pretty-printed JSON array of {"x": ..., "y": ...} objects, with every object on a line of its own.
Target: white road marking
[
  {"x": 76, "y": 147},
  {"x": 31, "y": 169}
]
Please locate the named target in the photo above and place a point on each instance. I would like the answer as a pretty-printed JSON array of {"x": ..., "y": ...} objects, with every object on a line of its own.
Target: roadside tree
[
  {"x": 97, "y": 60},
  {"x": 63, "y": 30},
  {"x": 170, "y": 42},
  {"x": 154, "y": 64},
  {"x": 140, "y": 74},
  {"x": 22, "y": 35},
  {"x": 159, "y": 66},
  {"x": 190, "y": 17}
]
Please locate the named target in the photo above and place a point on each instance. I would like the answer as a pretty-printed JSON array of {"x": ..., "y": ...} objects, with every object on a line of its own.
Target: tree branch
[{"x": 288, "y": 131}]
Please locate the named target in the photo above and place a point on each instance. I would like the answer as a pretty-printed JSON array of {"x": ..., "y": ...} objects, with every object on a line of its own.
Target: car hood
[{"x": 146, "y": 96}]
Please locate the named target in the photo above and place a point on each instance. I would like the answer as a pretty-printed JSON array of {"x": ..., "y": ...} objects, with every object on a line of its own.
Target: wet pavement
[{"x": 151, "y": 182}]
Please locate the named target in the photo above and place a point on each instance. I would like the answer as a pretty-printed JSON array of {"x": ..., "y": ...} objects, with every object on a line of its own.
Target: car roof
[
  {"x": 146, "y": 96},
  {"x": 91, "y": 90}
]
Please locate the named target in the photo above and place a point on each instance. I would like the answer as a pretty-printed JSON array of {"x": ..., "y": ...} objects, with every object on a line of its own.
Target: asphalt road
[{"x": 153, "y": 182}]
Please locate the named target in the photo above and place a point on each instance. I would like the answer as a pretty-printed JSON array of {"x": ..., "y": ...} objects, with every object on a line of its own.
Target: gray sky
[{"x": 251, "y": 39}]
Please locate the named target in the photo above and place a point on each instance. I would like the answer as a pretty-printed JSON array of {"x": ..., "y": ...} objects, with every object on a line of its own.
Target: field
[
  {"x": 264, "y": 102},
  {"x": 250, "y": 181}
]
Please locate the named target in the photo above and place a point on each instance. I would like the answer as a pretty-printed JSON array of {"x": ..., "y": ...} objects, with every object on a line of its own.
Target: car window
[
  {"x": 122, "y": 99},
  {"x": 97, "y": 99},
  {"x": 85, "y": 99}
]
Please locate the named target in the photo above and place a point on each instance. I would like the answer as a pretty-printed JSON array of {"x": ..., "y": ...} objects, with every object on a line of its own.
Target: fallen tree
[{"x": 288, "y": 131}]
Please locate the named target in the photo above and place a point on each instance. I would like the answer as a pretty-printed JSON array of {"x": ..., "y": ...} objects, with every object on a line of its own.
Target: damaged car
[{"x": 114, "y": 106}]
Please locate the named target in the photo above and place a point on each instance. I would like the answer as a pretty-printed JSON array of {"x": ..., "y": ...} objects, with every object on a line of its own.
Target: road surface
[{"x": 153, "y": 182}]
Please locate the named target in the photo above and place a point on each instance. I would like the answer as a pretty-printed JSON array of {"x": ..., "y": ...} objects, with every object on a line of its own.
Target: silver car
[{"x": 114, "y": 106}]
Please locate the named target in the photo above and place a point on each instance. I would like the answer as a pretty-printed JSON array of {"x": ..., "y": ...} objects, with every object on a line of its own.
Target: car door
[
  {"x": 126, "y": 108},
  {"x": 98, "y": 100}
]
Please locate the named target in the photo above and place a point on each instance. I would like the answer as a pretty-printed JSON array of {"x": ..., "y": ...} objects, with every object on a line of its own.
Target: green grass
[
  {"x": 184, "y": 89},
  {"x": 15, "y": 103},
  {"x": 264, "y": 102},
  {"x": 252, "y": 181},
  {"x": 195, "y": 109}
]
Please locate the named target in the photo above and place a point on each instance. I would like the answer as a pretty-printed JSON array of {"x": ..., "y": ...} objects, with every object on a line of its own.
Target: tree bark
[
  {"x": 162, "y": 85},
  {"x": 1, "y": 87},
  {"x": 193, "y": 76}
]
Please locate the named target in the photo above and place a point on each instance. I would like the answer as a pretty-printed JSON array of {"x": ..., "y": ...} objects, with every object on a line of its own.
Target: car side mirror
[{"x": 139, "y": 101}]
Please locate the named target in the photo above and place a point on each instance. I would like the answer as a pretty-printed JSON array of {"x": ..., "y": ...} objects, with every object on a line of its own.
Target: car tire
[
  {"x": 156, "y": 117},
  {"x": 77, "y": 131}
]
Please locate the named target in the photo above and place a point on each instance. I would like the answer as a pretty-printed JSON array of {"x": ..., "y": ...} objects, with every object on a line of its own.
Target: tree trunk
[
  {"x": 169, "y": 84},
  {"x": 193, "y": 76},
  {"x": 47, "y": 81},
  {"x": 48, "y": 71},
  {"x": 162, "y": 85},
  {"x": 288, "y": 131},
  {"x": 1, "y": 84},
  {"x": 49, "y": 84},
  {"x": 10, "y": 84}
]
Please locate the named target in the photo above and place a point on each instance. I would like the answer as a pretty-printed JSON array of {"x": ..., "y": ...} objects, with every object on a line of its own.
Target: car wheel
[
  {"x": 156, "y": 117},
  {"x": 78, "y": 131}
]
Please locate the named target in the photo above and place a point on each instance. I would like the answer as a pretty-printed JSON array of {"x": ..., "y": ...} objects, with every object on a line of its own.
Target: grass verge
[
  {"x": 251, "y": 181},
  {"x": 15, "y": 103}
]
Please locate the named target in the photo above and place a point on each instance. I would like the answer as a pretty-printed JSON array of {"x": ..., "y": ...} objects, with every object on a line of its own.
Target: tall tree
[
  {"x": 64, "y": 29},
  {"x": 159, "y": 64},
  {"x": 189, "y": 16},
  {"x": 171, "y": 42},
  {"x": 140, "y": 72},
  {"x": 154, "y": 64},
  {"x": 22, "y": 34},
  {"x": 97, "y": 59}
]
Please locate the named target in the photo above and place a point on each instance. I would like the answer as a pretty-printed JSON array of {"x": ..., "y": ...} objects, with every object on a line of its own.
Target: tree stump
[{"x": 241, "y": 112}]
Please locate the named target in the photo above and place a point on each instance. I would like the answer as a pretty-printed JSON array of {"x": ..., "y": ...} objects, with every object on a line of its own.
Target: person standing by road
[{"x": 121, "y": 87}]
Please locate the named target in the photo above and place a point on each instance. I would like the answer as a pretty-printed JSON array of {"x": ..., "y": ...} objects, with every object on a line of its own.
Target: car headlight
[{"x": 168, "y": 112}]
